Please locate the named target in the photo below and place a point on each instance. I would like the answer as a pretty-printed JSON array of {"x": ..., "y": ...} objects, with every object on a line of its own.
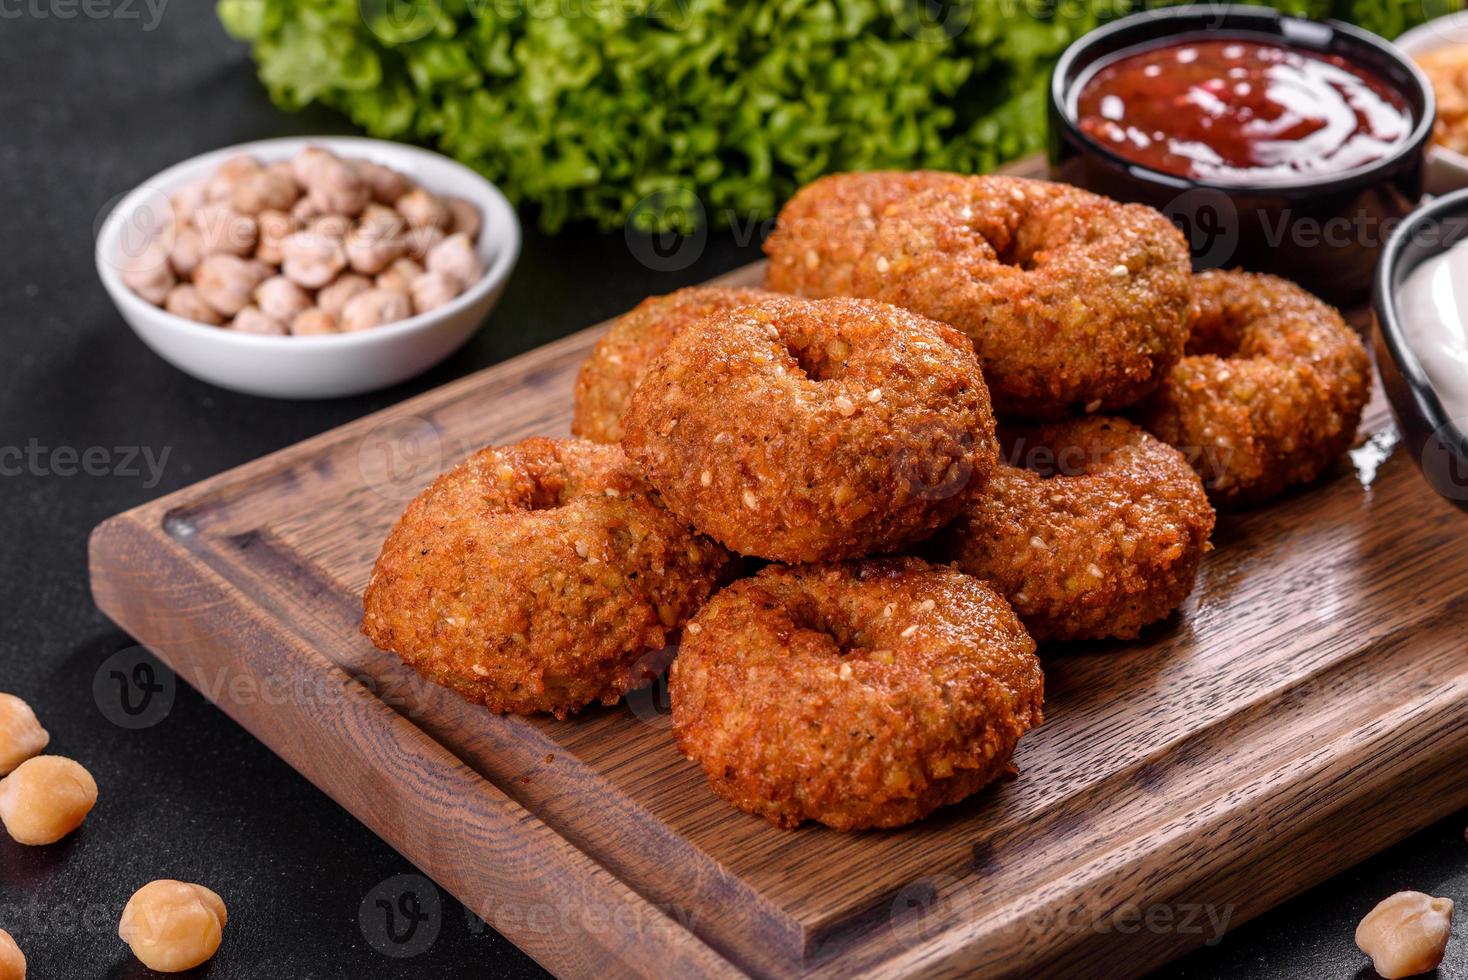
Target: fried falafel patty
[
  {"x": 1271, "y": 389},
  {"x": 857, "y": 694},
  {"x": 1072, "y": 300},
  {"x": 535, "y": 577},
  {"x": 620, "y": 359},
  {"x": 1095, "y": 530},
  {"x": 811, "y": 430},
  {"x": 824, "y": 228}
]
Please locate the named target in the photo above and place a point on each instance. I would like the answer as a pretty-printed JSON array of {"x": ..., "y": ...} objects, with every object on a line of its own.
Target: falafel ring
[
  {"x": 858, "y": 694},
  {"x": 1097, "y": 531},
  {"x": 1073, "y": 301},
  {"x": 1271, "y": 389},
  {"x": 535, "y": 577},
  {"x": 810, "y": 430}
]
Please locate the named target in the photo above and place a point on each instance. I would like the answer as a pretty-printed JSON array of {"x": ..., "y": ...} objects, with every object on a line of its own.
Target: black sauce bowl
[
  {"x": 1326, "y": 233},
  {"x": 1437, "y": 442}
]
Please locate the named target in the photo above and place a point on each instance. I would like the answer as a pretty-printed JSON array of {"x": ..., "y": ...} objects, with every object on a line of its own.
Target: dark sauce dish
[
  {"x": 1325, "y": 231},
  {"x": 1437, "y": 442}
]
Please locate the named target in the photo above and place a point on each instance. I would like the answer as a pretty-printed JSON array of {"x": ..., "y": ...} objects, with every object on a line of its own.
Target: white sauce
[{"x": 1433, "y": 311}]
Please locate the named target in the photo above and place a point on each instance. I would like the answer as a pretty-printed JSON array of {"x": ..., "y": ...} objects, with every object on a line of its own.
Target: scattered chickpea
[
  {"x": 21, "y": 735},
  {"x": 173, "y": 926},
  {"x": 275, "y": 227},
  {"x": 231, "y": 172},
  {"x": 466, "y": 217},
  {"x": 311, "y": 259},
  {"x": 268, "y": 190},
  {"x": 337, "y": 189},
  {"x": 374, "y": 308},
  {"x": 423, "y": 210},
  {"x": 314, "y": 321},
  {"x": 225, "y": 230},
  {"x": 386, "y": 184},
  {"x": 1406, "y": 934},
  {"x": 46, "y": 798},
  {"x": 400, "y": 275},
  {"x": 332, "y": 298},
  {"x": 149, "y": 273},
  {"x": 184, "y": 300},
  {"x": 12, "y": 960},
  {"x": 432, "y": 290},
  {"x": 377, "y": 241},
  {"x": 455, "y": 256},
  {"x": 252, "y": 319},
  {"x": 226, "y": 282}
]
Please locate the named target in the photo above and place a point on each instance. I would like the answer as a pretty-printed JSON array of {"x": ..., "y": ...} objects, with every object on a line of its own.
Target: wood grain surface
[{"x": 1306, "y": 708}]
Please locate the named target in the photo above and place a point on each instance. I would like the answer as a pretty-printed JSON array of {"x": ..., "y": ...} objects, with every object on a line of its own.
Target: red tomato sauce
[{"x": 1235, "y": 110}]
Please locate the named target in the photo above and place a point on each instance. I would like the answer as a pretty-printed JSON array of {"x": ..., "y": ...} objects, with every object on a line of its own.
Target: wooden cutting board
[{"x": 1307, "y": 707}]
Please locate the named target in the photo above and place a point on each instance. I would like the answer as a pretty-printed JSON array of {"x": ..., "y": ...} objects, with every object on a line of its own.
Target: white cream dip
[{"x": 1433, "y": 312}]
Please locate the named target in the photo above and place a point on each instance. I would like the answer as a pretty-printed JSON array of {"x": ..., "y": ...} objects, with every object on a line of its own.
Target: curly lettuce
[{"x": 588, "y": 110}]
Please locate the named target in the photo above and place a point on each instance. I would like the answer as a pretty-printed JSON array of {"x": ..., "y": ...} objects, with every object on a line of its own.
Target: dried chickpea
[
  {"x": 432, "y": 290},
  {"x": 252, "y": 319},
  {"x": 466, "y": 217},
  {"x": 188, "y": 251},
  {"x": 282, "y": 299},
  {"x": 377, "y": 241},
  {"x": 311, "y": 259},
  {"x": 424, "y": 210},
  {"x": 268, "y": 190},
  {"x": 313, "y": 321},
  {"x": 184, "y": 300},
  {"x": 231, "y": 172},
  {"x": 400, "y": 275},
  {"x": 455, "y": 256},
  {"x": 337, "y": 189},
  {"x": 386, "y": 184},
  {"x": 1406, "y": 934},
  {"x": 21, "y": 735},
  {"x": 275, "y": 228},
  {"x": 374, "y": 308},
  {"x": 333, "y": 297},
  {"x": 150, "y": 273},
  {"x": 12, "y": 960},
  {"x": 305, "y": 164},
  {"x": 226, "y": 282},
  {"x": 225, "y": 230},
  {"x": 423, "y": 240},
  {"x": 306, "y": 211},
  {"x": 173, "y": 926},
  {"x": 45, "y": 799},
  {"x": 186, "y": 202}
]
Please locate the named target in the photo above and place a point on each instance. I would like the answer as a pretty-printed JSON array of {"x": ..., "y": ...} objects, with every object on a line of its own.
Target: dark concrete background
[{"x": 89, "y": 107}]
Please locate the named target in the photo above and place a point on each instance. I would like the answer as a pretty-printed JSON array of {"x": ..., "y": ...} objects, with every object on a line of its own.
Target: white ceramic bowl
[
  {"x": 1447, "y": 170},
  {"x": 324, "y": 366}
]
